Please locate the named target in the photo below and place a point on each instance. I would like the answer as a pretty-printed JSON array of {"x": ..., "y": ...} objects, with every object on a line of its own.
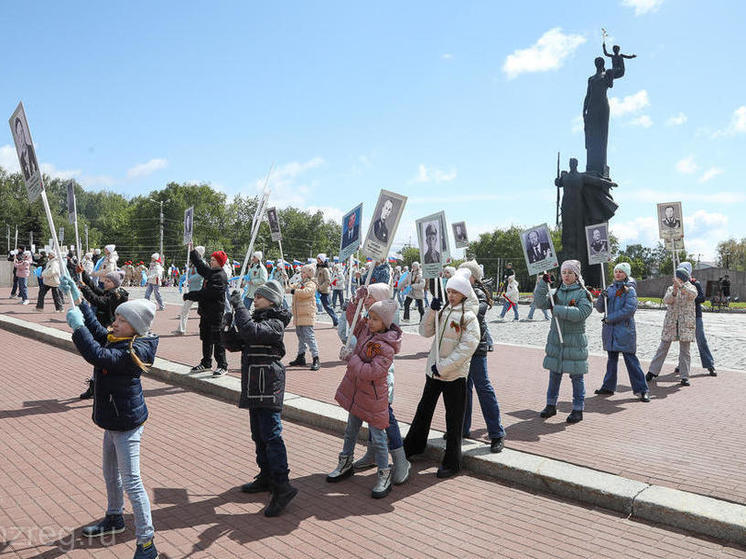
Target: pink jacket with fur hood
[{"x": 363, "y": 391}]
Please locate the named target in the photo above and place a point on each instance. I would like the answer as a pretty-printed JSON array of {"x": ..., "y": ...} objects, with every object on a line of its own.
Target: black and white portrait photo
[
  {"x": 432, "y": 235},
  {"x": 538, "y": 249},
  {"x": 597, "y": 239},
  {"x": 670, "y": 220},
  {"x": 26, "y": 153},
  {"x": 274, "y": 224},
  {"x": 383, "y": 226},
  {"x": 188, "y": 225},
  {"x": 459, "y": 234},
  {"x": 350, "y": 232}
]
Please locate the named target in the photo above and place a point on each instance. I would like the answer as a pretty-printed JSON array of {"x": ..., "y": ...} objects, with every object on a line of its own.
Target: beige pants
[{"x": 685, "y": 358}]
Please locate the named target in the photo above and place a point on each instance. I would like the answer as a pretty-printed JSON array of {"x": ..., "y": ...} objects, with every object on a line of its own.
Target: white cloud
[
  {"x": 64, "y": 174},
  {"x": 643, "y": 120},
  {"x": 647, "y": 195},
  {"x": 447, "y": 56},
  {"x": 642, "y": 7},
  {"x": 703, "y": 230},
  {"x": 145, "y": 169},
  {"x": 548, "y": 53},
  {"x": 9, "y": 158},
  {"x": 577, "y": 124},
  {"x": 676, "y": 120},
  {"x": 433, "y": 175},
  {"x": 711, "y": 173},
  {"x": 687, "y": 166},
  {"x": 630, "y": 104},
  {"x": 286, "y": 190},
  {"x": 737, "y": 123},
  {"x": 330, "y": 212}
]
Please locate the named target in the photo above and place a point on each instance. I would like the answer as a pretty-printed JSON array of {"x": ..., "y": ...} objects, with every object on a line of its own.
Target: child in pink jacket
[{"x": 364, "y": 391}]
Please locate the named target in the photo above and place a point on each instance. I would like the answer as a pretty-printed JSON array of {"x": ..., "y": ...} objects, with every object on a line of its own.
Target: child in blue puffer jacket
[
  {"x": 619, "y": 333},
  {"x": 119, "y": 356}
]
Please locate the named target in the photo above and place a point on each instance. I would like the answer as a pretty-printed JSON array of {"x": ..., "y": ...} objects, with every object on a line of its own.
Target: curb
[{"x": 670, "y": 507}]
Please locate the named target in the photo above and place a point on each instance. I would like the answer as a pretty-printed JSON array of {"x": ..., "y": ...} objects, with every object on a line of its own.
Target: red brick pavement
[
  {"x": 686, "y": 438},
  {"x": 196, "y": 451}
]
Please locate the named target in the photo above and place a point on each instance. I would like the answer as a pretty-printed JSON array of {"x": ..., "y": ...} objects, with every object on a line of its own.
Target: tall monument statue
[{"x": 587, "y": 198}]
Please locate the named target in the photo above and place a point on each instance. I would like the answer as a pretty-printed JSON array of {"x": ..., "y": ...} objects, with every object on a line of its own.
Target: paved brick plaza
[
  {"x": 197, "y": 450},
  {"x": 686, "y": 438}
]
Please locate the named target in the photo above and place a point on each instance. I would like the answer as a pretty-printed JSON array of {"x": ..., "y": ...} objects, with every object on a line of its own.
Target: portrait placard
[
  {"x": 274, "y": 224},
  {"x": 670, "y": 220},
  {"x": 459, "y": 234},
  {"x": 386, "y": 216},
  {"x": 597, "y": 241},
  {"x": 351, "y": 226},
  {"x": 26, "y": 153},
  {"x": 538, "y": 249},
  {"x": 71, "y": 204},
  {"x": 188, "y": 225},
  {"x": 432, "y": 235}
]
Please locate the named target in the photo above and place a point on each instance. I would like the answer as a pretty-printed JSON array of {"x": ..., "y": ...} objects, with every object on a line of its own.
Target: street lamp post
[{"x": 161, "y": 253}]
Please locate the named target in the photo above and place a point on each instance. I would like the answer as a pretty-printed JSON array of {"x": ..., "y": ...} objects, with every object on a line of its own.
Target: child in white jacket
[
  {"x": 511, "y": 298},
  {"x": 155, "y": 278},
  {"x": 456, "y": 340}
]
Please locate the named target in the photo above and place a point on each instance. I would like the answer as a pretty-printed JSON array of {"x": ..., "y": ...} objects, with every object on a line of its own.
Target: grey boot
[
  {"x": 383, "y": 484},
  {"x": 367, "y": 461},
  {"x": 343, "y": 469},
  {"x": 401, "y": 467}
]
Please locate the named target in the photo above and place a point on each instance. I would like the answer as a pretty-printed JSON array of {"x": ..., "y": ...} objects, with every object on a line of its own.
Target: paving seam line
[{"x": 671, "y": 507}]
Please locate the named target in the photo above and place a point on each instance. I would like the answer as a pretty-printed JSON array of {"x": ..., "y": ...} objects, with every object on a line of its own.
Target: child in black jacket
[
  {"x": 211, "y": 306},
  {"x": 263, "y": 389}
]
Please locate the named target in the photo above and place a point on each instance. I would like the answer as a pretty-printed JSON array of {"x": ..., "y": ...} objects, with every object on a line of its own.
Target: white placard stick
[
  {"x": 357, "y": 311},
  {"x": 439, "y": 288},
  {"x": 556, "y": 320},
  {"x": 258, "y": 214},
  {"x": 603, "y": 284}
]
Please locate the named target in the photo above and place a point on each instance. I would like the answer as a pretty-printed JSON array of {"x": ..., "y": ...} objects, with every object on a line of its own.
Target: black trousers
[
  {"x": 407, "y": 302},
  {"x": 211, "y": 342},
  {"x": 56, "y": 297},
  {"x": 454, "y": 398}
]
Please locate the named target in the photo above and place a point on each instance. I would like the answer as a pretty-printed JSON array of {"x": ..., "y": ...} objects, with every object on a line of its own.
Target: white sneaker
[
  {"x": 219, "y": 372},
  {"x": 24, "y": 302}
]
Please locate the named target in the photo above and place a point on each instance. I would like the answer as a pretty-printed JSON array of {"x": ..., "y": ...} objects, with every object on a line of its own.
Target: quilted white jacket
[{"x": 456, "y": 345}]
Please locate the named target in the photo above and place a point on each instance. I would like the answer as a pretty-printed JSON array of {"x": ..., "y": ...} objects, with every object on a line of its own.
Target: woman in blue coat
[{"x": 619, "y": 334}]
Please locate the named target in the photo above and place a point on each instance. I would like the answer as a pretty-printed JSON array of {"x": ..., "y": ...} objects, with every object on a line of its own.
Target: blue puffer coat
[
  {"x": 572, "y": 305},
  {"x": 118, "y": 402},
  {"x": 619, "y": 332}
]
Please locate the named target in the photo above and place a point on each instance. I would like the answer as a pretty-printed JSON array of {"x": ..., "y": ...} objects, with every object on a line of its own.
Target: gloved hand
[
  {"x": 345, "y": 353},
  {"x": 292, "y": 291},
  {"x": 434, "y": 369},
  {"x": 436, "y": 304},
  {"x": 235, "y": 299},
  {"x": 184, "y": 297},
  {"x": 75, "y": 318},
  {"x": 68, "y": 286}
]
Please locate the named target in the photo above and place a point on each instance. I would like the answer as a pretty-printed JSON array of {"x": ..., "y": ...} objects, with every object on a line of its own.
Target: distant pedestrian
[
  {"x": 532, "y": 308},
  {"x": 619, "y": 333},
  {"x": 323, "y": 285},
  {"x": 416, "y": 284},
  {"x": 705, "y": 355},
  {"x": 155, "y": 280},
  {"x": 363, "y": 391},
  {"x": 338, "y": 286},
  {"x": 256, "y": 275},
  {"x": 22, "y": 270},
  {"x": 304, "y": 317},
  {"x": 511, "y": 297},
  {"x": 51, "y": 281},
  {"x": 572, "y": 305},
  {"x": 193, "y": 282}
]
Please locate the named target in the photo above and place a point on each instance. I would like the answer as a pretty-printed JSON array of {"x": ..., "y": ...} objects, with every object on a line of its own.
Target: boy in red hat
[{"x": 211, "y": 305}]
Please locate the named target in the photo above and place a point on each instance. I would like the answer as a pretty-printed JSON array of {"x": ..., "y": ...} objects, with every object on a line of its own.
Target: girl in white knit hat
[{"x": 256, "y": 275}]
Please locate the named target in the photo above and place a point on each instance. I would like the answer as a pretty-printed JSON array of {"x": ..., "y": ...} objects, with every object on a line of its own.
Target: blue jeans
[
  {"x": 157, "y": 290},
  {"x": 532, "y": 309},
  {"x": 338, "y": 294},
  {"x": 271, "y": 455},
  {"x": 378, "y": 440},
  {"x": 306, "y": 337},
  {"x": 636, "y": 376},
  {"x": 578, "y": 390},
  {"x": 506, "y": 306},
  {"x": 479, "y": 379},
  {"x": 490, "y": 343},
  {"x": 23, "y": 290},
  {"x": 329, "y": 309},
  {"x": 704, "y": 349},
  {"x": 121, "y": 467}
]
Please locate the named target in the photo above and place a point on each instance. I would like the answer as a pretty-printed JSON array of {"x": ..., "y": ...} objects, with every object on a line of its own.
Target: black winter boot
[
  {"x": 261, "y": 483},
  {"x": 548, "y": 411},
  {"x": 89, "y": 391},
  {"x": 281, "y": 497},
  {"x": 315, "y": 366},
  {"x": 299, "y": 361},
  {"x": 575, "y": 416}
]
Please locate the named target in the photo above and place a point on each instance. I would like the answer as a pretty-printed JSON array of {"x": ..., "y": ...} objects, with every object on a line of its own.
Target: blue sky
[{"x": 460, "y": 106}]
